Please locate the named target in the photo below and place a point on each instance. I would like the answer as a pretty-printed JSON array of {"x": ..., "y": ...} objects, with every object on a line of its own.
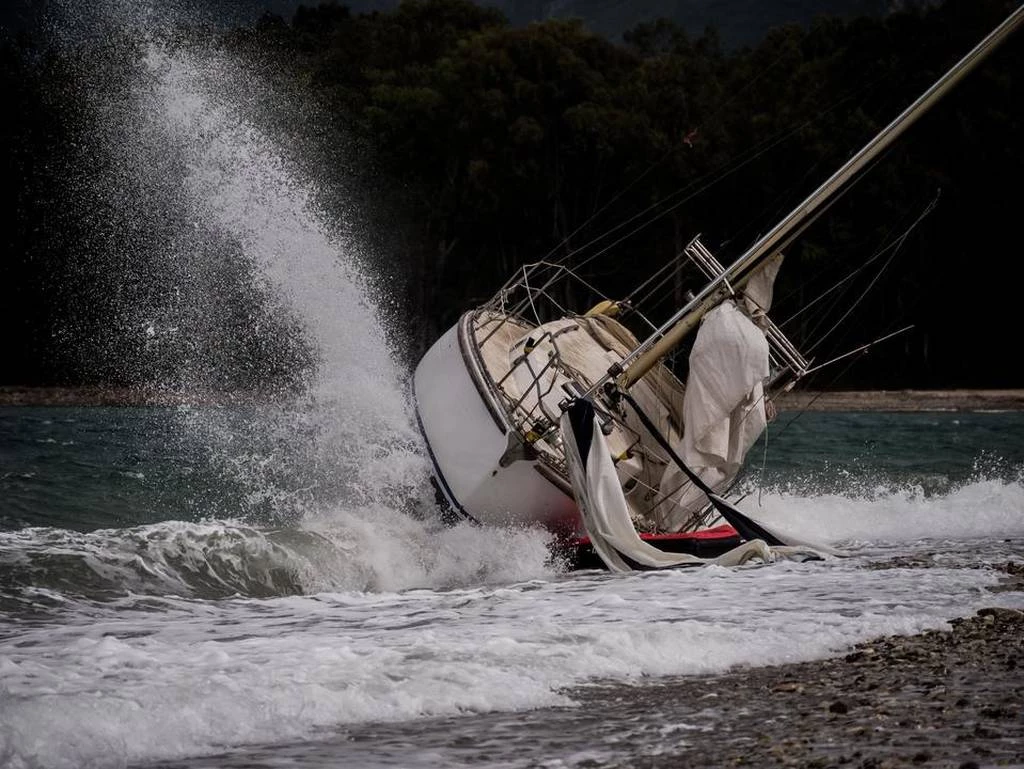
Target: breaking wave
[
  {"x": 381, "y": 549},
  {"x": 375, "y": 550},
  {"x": 827, "y": 510}
]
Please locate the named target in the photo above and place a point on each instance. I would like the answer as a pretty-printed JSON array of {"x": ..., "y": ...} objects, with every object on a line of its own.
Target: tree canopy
[{"x": 500, "y": 145}]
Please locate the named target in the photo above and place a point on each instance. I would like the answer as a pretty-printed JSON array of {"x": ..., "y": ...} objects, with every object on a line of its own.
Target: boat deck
[{"x": 532, "y": 369}]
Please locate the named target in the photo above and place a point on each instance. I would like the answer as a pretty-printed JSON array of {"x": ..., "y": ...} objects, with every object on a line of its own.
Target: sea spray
[
  {"x": 348, "y": 435},
  {"x": 239, "y": 283}
]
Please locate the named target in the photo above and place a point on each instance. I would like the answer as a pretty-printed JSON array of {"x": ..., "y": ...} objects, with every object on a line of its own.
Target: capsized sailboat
[{"x": 538, "y": 413}]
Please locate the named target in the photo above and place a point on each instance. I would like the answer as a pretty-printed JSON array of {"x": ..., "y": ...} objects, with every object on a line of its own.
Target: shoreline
[
  {"x": 904, "y": 400},
  {"x": 126, "y": 396},
  {"x": 839, "y": 400}
]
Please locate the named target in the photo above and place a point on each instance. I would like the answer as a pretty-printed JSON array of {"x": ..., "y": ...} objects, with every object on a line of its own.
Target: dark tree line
[{"x": 494, "y": 146}]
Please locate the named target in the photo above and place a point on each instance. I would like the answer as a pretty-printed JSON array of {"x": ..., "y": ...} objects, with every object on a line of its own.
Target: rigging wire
[
  {"x": 672, "y": 149},
  {"x": 863, "y": 350},
  {"x": 705, "y": 182},
  {"x": 744, "y": 470},
  {"x": 855, "y": 350},
  {"x": 690, "y": 191},
  {"x": 764, "y": 463},
  {"x": 897, "y": 246},
  {"x": 854, "y": 273}
]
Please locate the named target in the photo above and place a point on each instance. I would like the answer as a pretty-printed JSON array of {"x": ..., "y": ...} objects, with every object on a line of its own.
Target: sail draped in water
[{"x": 605, "y": 512}]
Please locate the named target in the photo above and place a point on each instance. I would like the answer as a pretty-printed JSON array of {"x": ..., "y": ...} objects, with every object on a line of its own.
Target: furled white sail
[{"x": 757, "y": 294}]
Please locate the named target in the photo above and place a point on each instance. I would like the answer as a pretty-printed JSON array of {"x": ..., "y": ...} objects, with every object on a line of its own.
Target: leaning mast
[{"x": 673, "y": 331}]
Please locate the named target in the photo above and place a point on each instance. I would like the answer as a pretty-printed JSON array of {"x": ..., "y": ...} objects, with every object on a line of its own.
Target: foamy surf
[
  {"x": 979, "y": 508},
  {"x": 159, "y": 678},
  {"x": 371, "y": 550}
]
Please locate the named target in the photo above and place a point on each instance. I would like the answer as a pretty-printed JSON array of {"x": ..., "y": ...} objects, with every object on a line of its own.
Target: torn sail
[
  {"x": 604, "y": 509},
  {"x": 723, "y": 409}
]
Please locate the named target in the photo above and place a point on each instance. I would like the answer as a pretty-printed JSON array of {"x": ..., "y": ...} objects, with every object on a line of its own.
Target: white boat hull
[{"x": 467, "y": 435}]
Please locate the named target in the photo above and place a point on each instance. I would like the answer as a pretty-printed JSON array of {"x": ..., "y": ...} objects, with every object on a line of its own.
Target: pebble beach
[{"x": 944, "y": 698}]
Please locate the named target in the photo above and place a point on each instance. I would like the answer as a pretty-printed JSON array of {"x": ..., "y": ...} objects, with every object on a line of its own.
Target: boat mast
[{"x": 673, "y": 331}]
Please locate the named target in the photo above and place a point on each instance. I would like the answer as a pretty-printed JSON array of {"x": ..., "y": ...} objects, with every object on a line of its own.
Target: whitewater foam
[
  {"x": 981, "y": 507},
  {"x": 196, "y": 677},
  {"x": 374, "y": 549}
]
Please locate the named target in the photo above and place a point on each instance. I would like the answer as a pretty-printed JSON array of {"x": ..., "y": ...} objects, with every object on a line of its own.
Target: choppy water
[
  {"x": 155, "y": 608},
  {"x": 268, "y": 586}
]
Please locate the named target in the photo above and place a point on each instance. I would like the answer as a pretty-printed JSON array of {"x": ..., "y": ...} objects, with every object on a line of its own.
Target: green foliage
[{"x": 508, "y": 144}]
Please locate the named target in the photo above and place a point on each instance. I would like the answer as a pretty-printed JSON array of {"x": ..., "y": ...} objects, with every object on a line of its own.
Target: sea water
[
  {"x": 151, "y": 612},
  {"x": 268, "y": 584}
]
